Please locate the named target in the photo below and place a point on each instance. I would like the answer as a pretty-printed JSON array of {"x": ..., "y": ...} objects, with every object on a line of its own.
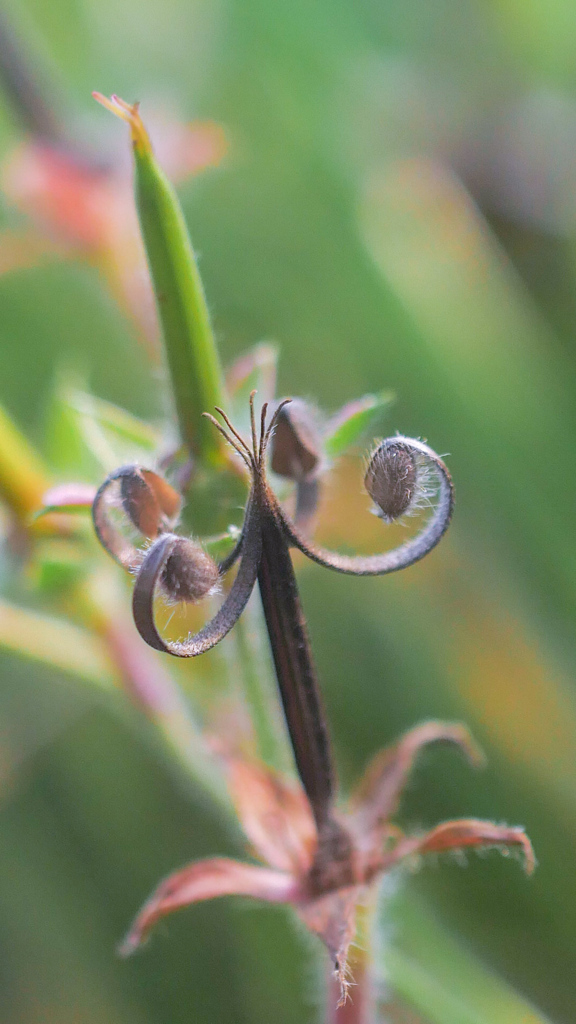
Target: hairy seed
[
  {"x": 140, "y": 504},
  {"x": 296, "y": 444},
  {"x": 189, "y": 574},
  {"x": 391, "y": 479}
]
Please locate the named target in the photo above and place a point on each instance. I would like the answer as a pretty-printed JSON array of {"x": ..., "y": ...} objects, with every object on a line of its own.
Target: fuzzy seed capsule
[
  {"x": 140, "y": 504},
  {"x": 148, "y": 500},
  {"x": 391, "y": 479},
  {"x": 296, "y": 445},
  {"x": 189, "y": 574}
]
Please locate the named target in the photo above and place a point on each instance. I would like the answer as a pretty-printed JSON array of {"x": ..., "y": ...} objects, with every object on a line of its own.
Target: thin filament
[
  {"x": 253, "y": 422},
  {"x": 233, "y": 430},
  {"x": 263, "y": 415},
  {"x": 227, "y": 437}
]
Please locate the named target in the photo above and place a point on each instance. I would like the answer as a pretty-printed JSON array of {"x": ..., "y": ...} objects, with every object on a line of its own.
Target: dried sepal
[
  {"x": 206, "y": 880},
  {"x": 377, "y": 797},
  {"x": 464, "y": 834},
  {"x": 275, "y": 815},
  {"x": 333, "y": 919},
  {"x": 277, "y": 820}
]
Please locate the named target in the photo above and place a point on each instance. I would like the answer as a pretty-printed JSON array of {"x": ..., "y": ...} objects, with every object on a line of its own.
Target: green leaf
[
  {"x": 353, "y": 421},
  {"x": 56, "y": 643},
  {"x": 58, "y": 567},
  {"x": 120, "y": 423},
  {"x": 439, "y": 976},
  {"x": 221, "y": 544},
  {"x": 193, "y": 360},
  {"x": 87, "y": 435}
]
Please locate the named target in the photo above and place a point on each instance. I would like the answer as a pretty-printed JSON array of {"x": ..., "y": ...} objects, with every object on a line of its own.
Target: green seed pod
[{"x": 193, "y": 360}]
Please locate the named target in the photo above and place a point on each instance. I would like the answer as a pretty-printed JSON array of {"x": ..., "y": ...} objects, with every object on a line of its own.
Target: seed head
[
  {"x": 140, "y": 505},
  {"x": 296, "y": 445},
  {"x": 392, "y": 480},
  {"x": 189, "y": 574}
]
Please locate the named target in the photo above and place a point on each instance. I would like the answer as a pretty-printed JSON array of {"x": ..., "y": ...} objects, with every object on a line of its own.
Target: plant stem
[
  {"x": 358, "y": 1007},
  {"x": 361, "y": 1003},
  {"x": 297, "y": 682},
  {"x": 23, "y": 479}
]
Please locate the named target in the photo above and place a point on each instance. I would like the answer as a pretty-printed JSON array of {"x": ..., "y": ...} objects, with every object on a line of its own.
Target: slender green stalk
[
  {"x": 23, "y": 479},
  {"x": 193, "y": 361}
]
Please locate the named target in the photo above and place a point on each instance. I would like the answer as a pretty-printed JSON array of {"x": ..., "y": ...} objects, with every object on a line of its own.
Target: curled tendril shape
[
  {"x": 393, "y": 481},
  {"x": 149, "y": 503}
]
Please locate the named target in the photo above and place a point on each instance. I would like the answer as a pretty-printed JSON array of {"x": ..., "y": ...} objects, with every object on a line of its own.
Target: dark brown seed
[
  {"x": 168, "y": 499},
  {"x": 296, "y": 445},
  {"x": 148, "y": 500},
  {"x": 140, "y": 504},
  {"x": 391, "y": 479},
  {"x": 189, "y": 574}
]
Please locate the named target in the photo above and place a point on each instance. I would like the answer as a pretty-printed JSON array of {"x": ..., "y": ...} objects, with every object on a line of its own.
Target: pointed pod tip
[{"x": 129, "y": 112}]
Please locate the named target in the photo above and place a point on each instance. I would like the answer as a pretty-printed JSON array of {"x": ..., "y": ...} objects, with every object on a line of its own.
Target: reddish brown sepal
[{"x": 205, "y": 880}]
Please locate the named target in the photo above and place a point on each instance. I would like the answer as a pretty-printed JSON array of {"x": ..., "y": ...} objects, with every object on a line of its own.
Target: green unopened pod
[{"x": 193, "y": 360}]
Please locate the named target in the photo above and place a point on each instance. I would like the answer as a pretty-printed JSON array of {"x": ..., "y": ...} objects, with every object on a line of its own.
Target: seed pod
[
  {"x": 140, "y": 505},
  {"x": 392, "y": 479},
  {"x": 149, "y": 501},
  {"x": 296, "y": 445},
  {"x": 191, "y": 351},
  {"x": 189, "y": 574}
]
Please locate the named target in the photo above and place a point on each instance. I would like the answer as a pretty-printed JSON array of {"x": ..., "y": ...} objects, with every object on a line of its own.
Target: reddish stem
[{"x": 360, "y": 1004}]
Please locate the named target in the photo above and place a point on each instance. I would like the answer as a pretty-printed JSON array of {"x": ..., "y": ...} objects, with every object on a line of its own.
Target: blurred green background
[{"x": 397, "y": 209}]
